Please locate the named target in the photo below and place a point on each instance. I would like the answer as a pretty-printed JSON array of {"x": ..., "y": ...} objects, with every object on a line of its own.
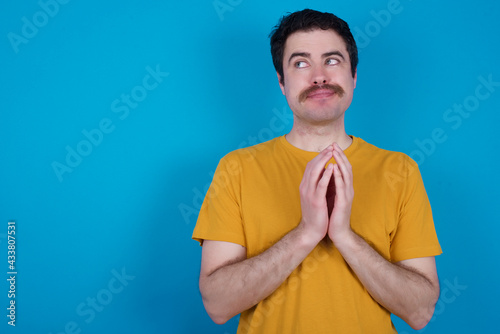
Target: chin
[{"x": 322, "y": 119}]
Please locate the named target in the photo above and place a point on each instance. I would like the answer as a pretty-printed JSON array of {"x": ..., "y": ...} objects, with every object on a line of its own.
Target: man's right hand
[{"x": 313, "y": 188}]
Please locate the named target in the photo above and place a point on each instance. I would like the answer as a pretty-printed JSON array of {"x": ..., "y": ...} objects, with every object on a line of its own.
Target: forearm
[
  {"x": 401, "y": 290},
  {"x": 234, "y": 288}
]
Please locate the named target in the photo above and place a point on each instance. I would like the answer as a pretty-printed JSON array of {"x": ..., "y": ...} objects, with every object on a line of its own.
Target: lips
[{"x": 321, "y": 92}]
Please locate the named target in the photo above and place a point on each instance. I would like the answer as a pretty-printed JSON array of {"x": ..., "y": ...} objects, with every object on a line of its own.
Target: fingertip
[{"x": 337, "y": 148}]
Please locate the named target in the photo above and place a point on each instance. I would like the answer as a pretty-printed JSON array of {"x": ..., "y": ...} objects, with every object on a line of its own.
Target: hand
[
  {"x": 340, "y": 219},
  {"x": 313, "y": 195}
]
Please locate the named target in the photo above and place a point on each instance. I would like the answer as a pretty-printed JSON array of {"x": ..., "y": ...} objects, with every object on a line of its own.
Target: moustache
[{"x": 336, "y": 89}]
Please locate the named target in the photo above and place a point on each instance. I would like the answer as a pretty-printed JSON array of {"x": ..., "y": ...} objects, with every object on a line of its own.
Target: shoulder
[
  {"x": 255, "y": 153},
  {"x": 372, "y": 152},
  {"x": 389, "y": 164}
]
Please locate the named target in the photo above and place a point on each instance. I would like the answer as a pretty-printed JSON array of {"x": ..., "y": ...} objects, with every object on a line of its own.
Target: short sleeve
[
  {"x": 220, "y": 215},
  {"x": 415, "y": 235}
]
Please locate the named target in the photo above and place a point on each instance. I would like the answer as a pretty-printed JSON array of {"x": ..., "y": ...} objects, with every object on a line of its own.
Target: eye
[
  {"x": 331, "y": 61},
  {"x": 301, "y": 64}
]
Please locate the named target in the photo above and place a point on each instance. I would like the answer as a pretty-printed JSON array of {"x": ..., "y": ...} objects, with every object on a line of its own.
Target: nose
[{"x": 319, "y": 76}]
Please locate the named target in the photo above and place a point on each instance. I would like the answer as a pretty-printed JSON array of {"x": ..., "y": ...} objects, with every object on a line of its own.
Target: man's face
[{"x": 318, "y": 82}]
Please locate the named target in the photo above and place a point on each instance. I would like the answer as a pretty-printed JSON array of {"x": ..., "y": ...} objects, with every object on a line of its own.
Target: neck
[{"x": 317, "y": 138}]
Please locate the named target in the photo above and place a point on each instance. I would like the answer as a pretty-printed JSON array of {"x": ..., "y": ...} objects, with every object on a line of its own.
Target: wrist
[
  {"x": 344, "y": 240},
  {"x": 307, "y": 237}
]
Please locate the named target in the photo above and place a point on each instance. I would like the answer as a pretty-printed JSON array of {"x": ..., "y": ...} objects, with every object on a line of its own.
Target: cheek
[
  {"x": 293, "y": 94},
  {"x": 348, "y": 86},
  {"x": 292, "y": 88},
  {"x": 287, "y": 91}
]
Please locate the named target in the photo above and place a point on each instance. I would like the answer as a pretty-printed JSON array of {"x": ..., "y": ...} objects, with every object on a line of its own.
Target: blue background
[{"x": 130, "y": 204}]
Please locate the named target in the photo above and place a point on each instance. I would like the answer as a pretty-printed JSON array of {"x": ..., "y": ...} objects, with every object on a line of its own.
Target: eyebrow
[
  {"x": 333, "y": 53},
  {"x": 308, "y": 55}
]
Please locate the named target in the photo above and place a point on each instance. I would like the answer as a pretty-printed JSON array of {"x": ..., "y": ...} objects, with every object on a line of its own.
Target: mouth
[{"x": 321, "y": 92}]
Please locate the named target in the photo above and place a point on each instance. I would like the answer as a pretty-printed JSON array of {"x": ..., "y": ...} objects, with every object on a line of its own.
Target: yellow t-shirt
[{"x": 254, "y": 201}]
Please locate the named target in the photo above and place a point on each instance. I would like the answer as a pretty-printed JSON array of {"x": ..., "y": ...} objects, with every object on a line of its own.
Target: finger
[
  {"x": 339, "y": 163},
  {"x": 339, "y": 182},
  {"x": 310, "y": 178},
  {"x": 316, "y": 166},
  {"x": 344, "y": 166},
  {"x": 324, "y": 181},
  {"x": 341, "y": 154},
  {"x": 321, "y": 156}
]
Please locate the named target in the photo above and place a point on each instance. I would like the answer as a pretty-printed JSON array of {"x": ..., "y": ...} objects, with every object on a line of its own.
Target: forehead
[{"x": 315, "y": 40}]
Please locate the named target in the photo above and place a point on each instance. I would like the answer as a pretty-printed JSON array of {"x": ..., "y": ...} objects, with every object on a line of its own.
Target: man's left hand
[{"x": 340, "y": 226}]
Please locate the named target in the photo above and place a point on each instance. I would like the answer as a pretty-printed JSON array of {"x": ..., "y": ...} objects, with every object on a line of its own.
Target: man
[{"x": 304, "y": 242}]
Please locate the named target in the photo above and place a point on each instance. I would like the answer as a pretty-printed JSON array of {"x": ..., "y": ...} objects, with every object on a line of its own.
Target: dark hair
[{"x": 306, "y": 20}]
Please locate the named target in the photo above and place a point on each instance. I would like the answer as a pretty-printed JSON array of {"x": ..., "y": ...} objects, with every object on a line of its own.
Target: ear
[
  {"x": 282, "y": 85},
  {"x": 355, "y": 78}
]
